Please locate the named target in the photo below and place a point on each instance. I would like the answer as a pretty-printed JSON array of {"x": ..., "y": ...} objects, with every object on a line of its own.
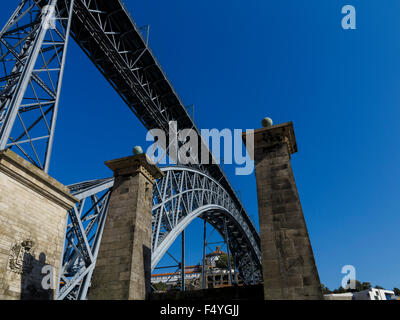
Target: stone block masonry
[
  {"x": 289, "y": 269},
  {"x": 123, "y": 267},
  {"x": 33, "y": 212}
]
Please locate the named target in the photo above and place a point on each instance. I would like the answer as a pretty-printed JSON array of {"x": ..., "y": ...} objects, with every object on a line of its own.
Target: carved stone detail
[{"x": 21, "y": 257}]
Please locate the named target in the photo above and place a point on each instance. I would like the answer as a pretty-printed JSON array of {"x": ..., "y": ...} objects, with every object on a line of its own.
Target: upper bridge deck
[{"x": 110, "y": 38}]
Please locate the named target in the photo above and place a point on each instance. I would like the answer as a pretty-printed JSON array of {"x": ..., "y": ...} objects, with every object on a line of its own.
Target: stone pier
[
  {"x": 33, "y": 212},
  {"x": 289, "y": 269},
  {"x": 123, "y": 268}
]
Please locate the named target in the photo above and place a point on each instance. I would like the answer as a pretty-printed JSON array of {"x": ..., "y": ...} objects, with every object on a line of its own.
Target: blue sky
[{"x": 238, "y": 61}]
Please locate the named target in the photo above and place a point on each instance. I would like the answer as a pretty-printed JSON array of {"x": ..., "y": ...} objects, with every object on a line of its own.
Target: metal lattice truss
[
  {"x": 185, "y": 194},
  {"x": 82, "y": 238},
  {"x": 182, "y": 195},
  {"x": 32, "y": 58},
  {"x": 33, "y": 55},
  {"x": 33, "y": 47},
  {"x": 108, "y": 35}
]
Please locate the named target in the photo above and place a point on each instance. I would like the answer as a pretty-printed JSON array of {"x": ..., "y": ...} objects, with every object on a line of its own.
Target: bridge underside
[
  {"x": 183, "y": 195},
  {"x": 108, "y": 35}
]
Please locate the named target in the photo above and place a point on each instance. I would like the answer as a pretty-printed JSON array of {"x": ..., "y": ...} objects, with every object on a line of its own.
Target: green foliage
[
  {"x": 396, "y": 291},
  {"x": 340, "y": 290},
  {"x": 325, "y": 290},
  {"x": 360, "y": 286},
  {"x": 222, "y": 262},
  {"x": 160, "y": 286}
]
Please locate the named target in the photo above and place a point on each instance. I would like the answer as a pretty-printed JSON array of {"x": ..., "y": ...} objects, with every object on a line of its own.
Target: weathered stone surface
[
  {"x": 289, "y": 269},
  {"x": 33, "y": 209},
  {"x": 123, "y": 268}
]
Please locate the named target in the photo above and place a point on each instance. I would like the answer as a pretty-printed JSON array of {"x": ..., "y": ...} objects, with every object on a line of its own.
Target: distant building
[
  {"x": 173, "y": 279},
  {"x": 339, "y": 296},
  {"x": 370, "y": 294},
  {"x": 219, "y": 277},
  {"x": 215, "y": 277},
  {"x": 374, "y": 294},
  {"x": 213, "y": 257}
]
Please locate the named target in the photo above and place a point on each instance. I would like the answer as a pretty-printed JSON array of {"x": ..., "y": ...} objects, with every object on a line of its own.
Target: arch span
[
  {"x": 181, "y": 196},
  {"x": 184, "y": 194}
]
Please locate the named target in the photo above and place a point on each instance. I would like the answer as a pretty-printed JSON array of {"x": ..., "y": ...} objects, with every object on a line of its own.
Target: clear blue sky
[{"x": 239, "y": 61}]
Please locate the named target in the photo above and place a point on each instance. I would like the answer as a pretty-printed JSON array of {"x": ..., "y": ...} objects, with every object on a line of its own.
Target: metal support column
[
  {"x": 183, "y": 261},
  {"x": 234, "y": 270},
  {"x": 252, "y": 273},
  {"x": 203, "y": 268},
  {"x": 227, "y": 249},
  {"x": 33, "y": 47}
]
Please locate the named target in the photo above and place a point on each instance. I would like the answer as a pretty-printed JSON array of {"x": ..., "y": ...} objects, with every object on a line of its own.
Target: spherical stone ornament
[
  {"x": 137, "y": 150},
  {"x": 267, "y": 122}
]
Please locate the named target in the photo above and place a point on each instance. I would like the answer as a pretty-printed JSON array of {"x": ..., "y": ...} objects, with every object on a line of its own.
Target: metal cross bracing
[
  {"x": 33, "y": 47},
  {"x": 32, "y": 57},
  {"x": 185, "y": 194},
  {"x": 181, "y": 196},
  {"x": 84, "y": 229},
  {"x": 108, "y": 35}
]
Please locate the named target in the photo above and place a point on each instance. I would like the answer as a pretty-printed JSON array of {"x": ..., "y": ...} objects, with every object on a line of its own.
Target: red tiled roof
[
  {"x": 216, "y": 253},
  {"x": 178, "y": 273}
]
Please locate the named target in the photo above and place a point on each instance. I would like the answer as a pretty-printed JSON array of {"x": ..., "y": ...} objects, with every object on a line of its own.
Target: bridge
[{"x": 33, "y": 46}]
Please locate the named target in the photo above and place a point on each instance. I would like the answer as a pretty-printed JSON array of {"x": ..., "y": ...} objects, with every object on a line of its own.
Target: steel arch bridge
[
  {"x": 33, "y": 47},
  {"x": 185, "y": 194},
  {"x": 182, "y": 195}
]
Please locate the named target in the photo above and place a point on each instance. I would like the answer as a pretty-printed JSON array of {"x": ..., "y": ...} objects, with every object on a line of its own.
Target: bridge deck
[{"x": 108, "y": 35}]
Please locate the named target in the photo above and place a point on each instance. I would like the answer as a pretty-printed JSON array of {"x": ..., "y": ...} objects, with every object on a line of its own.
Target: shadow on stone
[
  {"x": 147, "y": 270},
  {"x": 35, "y": 276}
]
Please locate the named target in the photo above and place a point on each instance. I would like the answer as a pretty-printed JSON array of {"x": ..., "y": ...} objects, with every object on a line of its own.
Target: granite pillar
[
  {"x": 123, "y": 268},
  {"x": 289, "y": 269}
]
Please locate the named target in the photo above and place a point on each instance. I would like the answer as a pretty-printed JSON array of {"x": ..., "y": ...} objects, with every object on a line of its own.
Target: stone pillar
[
  {"x": 289, "y": 269},
  {"x": 33, "y": 212},
  {"x": 123, "y": 267}
]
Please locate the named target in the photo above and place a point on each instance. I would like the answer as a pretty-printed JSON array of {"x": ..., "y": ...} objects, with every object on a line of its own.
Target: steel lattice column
[
  {"x": 181, "y": 196},
  {"x": 33, "y": 47}
]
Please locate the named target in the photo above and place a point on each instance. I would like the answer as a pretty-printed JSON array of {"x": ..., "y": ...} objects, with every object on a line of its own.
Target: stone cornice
[
  {"x": 272, "y": 136},
  {"x": 35, "y": 179},
  {"x": 138, "y": 163}
]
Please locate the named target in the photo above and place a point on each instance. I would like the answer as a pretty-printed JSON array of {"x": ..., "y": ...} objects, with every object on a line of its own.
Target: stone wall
[
  {"x": 289, "y": 269},
  {"x": 33, "y": 209},
  {"x": 123, "y": 267}
]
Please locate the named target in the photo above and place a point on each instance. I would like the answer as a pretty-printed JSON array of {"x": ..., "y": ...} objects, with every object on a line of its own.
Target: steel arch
[
  {"x": 32, "y": 59},
  {"x": 182, "y": 195}
]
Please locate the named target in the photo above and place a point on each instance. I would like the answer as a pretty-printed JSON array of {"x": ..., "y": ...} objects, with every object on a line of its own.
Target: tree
[
  {"x": 365, "y": 286},
  {"x": 325, "y": 290},
  {"x": 396, "y": 291},
  {"x": 340, "y": 290},
  {"x": 222, "y": 262},
  {"x": 160, "y": 286},
  {"x": 360, "y": 286}
]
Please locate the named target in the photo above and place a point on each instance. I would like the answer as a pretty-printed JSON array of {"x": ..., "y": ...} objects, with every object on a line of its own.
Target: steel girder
[
  {"x": 108, "y": 35},
  {"x": 185, "y": 194},
  {"x": 84, "y": 229},
  {"x": 32, "y": 57},
  {"x": 182, "y": 195}
]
